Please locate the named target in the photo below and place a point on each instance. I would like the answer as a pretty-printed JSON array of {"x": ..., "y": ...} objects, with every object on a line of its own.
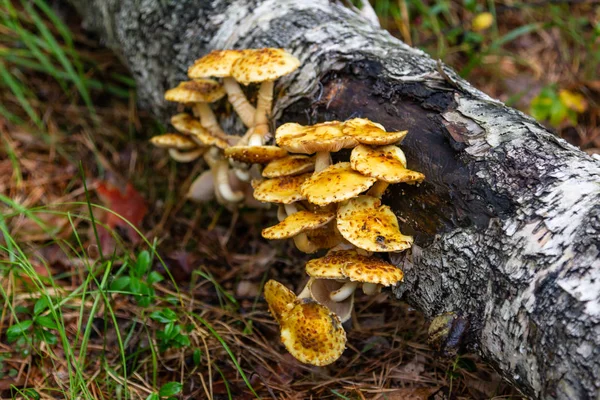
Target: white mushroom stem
[
  {"x": 371, "y": 288},
  {"x": 281, "y": 214},
  {"x": 238, "y": 100},
  {"x": 322, "y": 161},
  {"x": 222, "y": 183},
  {"x": 301, "y": 241},
  {"x": 378, "y": 189},
  {"x": 186, "y": 156},
  {"x": 255, "y": 140},
  {"x": 263, "y": 110},
  {"x": 242, "y": 175},
  {"x": 208, "y": 120},
  {"x": 344, "y": 292}
]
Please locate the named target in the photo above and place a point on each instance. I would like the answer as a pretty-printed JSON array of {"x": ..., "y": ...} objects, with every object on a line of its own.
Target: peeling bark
[{"x": 507, "y": 224}]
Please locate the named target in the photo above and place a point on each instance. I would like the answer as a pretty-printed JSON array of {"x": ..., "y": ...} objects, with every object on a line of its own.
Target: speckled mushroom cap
[
  {"x": 196, "y": 91},
  {"x": 335, "y": 183},
  {"x": 173, "y": 141},
  {"x": 312, "y": 333},
  {"x": 185, "y": 123},
  {"x": 217, "y": 63},
  {"x": 279, "y": 298},
  {"x": 326, "y": 136},
  {"x": 292, "y": 164},
  {"x": 261, "y": 65},
  {"x": 255, "y": 154},
  {"x": 369, "y": 225},
  {"x": 355, "y": 267},
  {"x": 368, "y": 132},
  {"x": 296, "y": 223},
  {"x": 284, "y": 190},
  {"x": 386, "y": 163}
]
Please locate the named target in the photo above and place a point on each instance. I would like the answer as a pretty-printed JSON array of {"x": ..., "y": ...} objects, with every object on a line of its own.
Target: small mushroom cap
[
  {"x": 196, "y": 91},
  {"x": 292, "y": 164},
  {"x": 368, "y": 132},
  {"x": 369, "y": 225},
  {"x": 313, "y": 334},
  {"x": 173, "y": 141},
  {"x": 279, "y": 298},
  {"x": 185, "y": 123},
  {"x": 263, "y": 65},
  {"x": 355, "y": 267},
  {"x": 284, "y": 190},
  {"x": 255, "y": 154},
  {"x": 296, "y": 223},
  {"x": 217, "y": 63},
  {"x": 326, "y": 136},
  {"x": 386, "y": 163},
  {"x": 335, "y": 183},
  {"x": 320, "y": 289}
]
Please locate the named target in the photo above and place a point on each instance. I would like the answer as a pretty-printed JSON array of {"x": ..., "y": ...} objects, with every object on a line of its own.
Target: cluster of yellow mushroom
[
  {"x": 201, "y": 135},
  {"x": 321, "y": 205},
  {"x": 337, "y": 207}
]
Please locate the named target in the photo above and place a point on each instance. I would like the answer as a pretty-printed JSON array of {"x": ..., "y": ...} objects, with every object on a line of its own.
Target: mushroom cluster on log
[{"x": 507, "y": 225}]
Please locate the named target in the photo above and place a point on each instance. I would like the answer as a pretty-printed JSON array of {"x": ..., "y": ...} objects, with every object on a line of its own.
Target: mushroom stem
[
  {"x": 322, "y": 161},
  {"x": 243, "y": 175},
  {"x": 344, "y": 292},
  {"x": 255, "y": 140},
  {"x": 208, "y": 120},
  {"x": 186, "y": 156},
  {"x": 203, "y": 188},
  {"x": 370, "y": 288},
  {"x": 378, "y": 189},
  {"x": 281, "y": 214},
  {"x": 263, "y": 108},
  {"x": 238, "y": 100},
  {"x": 305, "y": 293},
  {"x": 304, "y": 244},
  {"x": 222, "y": 183}
]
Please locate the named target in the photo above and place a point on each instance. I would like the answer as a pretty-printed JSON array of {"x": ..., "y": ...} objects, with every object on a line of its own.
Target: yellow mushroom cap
[
  {"x": 173, "y": 141},
  {"x": 386, "y": 163},
  {"x": 367, "y": 224},
  {"x": 326, "y": 136},
  {"x": 368, "y": 132},
  {"x": 296, "y": 223},
  {"x": 185, "y": 123},
  {"x": 263, "y": 65},
  {"x": 355, "y": 267},
  {"x": 335, "y": 183},
  {"x": 292, "y": 164},
  {"x": 312, "y": 333},
  {"x": 196, "y": 91},
  {"x": 326, "y": 236},
  {"x": 255, "y": 154},
  {"x": 217, "y": 63},
  {"x": 284, "y": 190},
  {"x": 279, "y": 298}
]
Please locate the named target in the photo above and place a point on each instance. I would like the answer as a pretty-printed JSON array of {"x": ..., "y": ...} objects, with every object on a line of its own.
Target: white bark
[{"x": 507, "y": 223}]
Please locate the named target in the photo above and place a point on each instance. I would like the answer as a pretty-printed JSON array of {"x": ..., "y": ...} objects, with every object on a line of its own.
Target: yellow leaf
[
  {"x": 573, "y": 101},
  {"x": 482, "y": 21}
]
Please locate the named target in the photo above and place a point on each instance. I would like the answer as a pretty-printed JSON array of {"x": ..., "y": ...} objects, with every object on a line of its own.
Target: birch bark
[{"x": 507, "y": 224}]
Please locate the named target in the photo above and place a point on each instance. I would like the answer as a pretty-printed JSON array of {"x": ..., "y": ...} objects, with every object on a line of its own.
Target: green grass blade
[{"x": 17, "y": 90}]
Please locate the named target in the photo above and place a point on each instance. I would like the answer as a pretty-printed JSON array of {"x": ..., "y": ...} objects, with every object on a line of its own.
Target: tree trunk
[{"x": 507, "y": 223}]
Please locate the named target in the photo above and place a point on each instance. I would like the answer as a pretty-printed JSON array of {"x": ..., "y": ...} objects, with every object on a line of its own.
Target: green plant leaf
[
  {"x": 165, "y": 316},
  {"x": 120, "y": 284},
  {"x": 170, "y": 389},
  {"x": 143, "y": 263},
  {"x": 19, "y": 328},
  {"x": 154, "y": 277},
  {"x": 46, "y": 321},
  {"x": 153, "y": 396},
  {"x": 41, "y": 305}
]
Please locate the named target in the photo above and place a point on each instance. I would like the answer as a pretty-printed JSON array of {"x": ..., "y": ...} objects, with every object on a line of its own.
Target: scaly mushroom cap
[
  {"x": 296, "y": 223},
  {"x": 367, "y": 224},
  {"x": 326, "y": 136},
  {"x": 313, "y": 334},
  {"x": 355, "y": 267},
  {"x": 284, "y": 190},
  {"x": 185, "y": 123},
  {"x": 255, "y": 154},
  {"x": 335, "y": 183},
  {"x": 279, "y": 298},
  {"x": 293, "y": 164},
  {"x": 368, "y": 132},
  {"x": 196, "y": 91},
  {"x": 217, "y": 63},
  {"x": 173, "y": 141},
  {"x": 386, "y": 163},
  {"x": 263, "y": 65},
  {"x": 320, "y": 290}
]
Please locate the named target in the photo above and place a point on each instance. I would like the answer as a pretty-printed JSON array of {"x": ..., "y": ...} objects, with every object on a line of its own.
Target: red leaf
[{"x": 129, "y": 205}]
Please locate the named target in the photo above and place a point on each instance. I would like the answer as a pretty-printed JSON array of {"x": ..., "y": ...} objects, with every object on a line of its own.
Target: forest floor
[{"x": 113, "y": 286}]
